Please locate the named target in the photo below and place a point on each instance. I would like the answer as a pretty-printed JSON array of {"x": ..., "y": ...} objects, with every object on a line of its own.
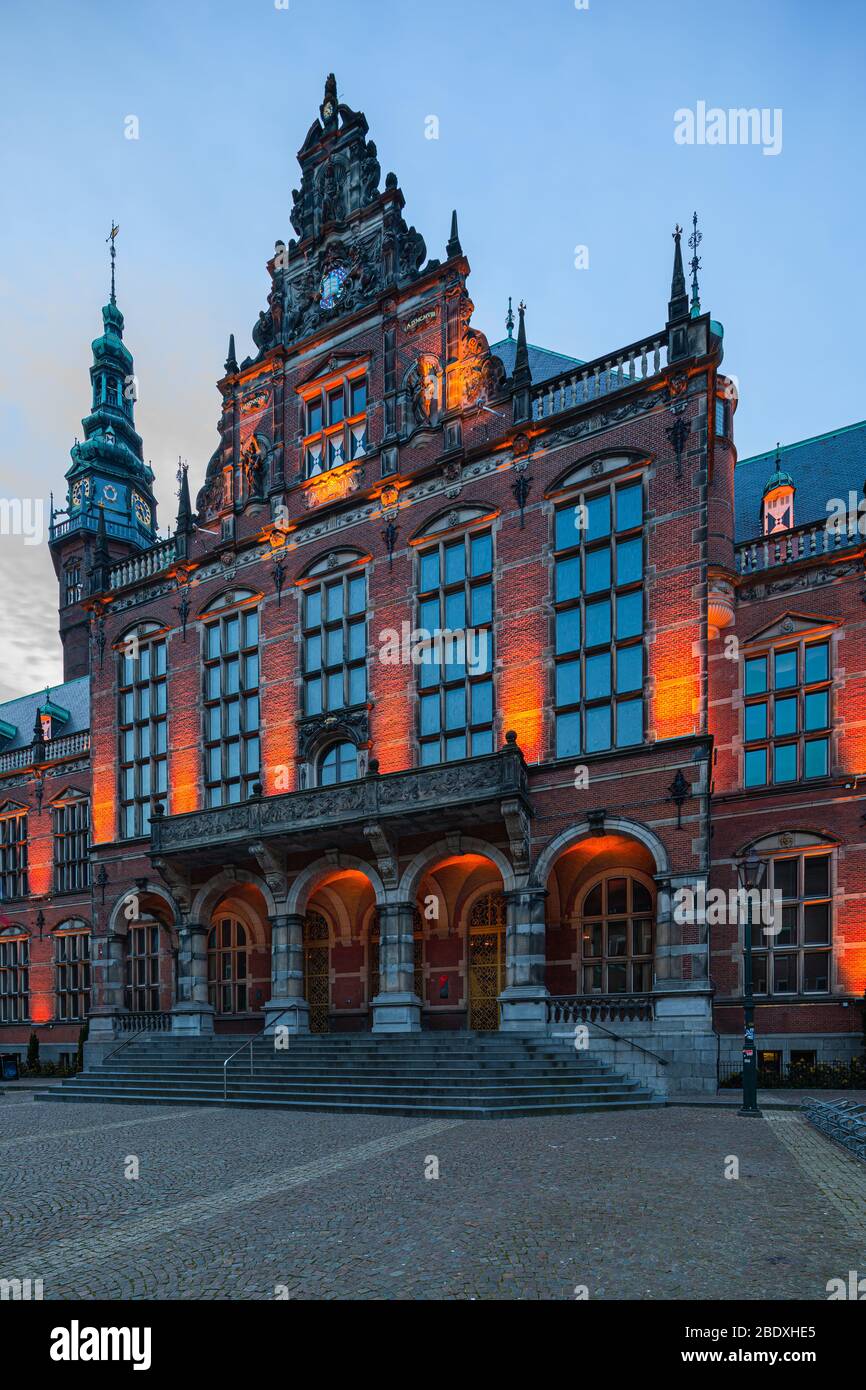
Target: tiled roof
[
  {"x": 542, "y": 363},
  {"x": 829, "y": 466},
  {"x": 73, "y": 696}
]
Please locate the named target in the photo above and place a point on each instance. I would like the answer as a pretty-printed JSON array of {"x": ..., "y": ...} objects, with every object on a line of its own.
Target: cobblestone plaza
[{"x": 316, "y": 1206}]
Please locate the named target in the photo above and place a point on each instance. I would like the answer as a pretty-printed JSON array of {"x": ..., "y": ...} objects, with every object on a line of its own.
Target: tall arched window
[
  {"x": 335, "y": 640},
  {"x": 599, "y": 622},
  {"x": 339, "y": 763},
  {"x": 72, "y": 967},
  {"x": 142, "y": 699},
  {"x": 231, "y": 699},
  {"x": 14, "y": 976},
  {"x": 142, "y": 968},
  {"x": 455, "y": 616},
  {"x": 228, "y": 966},
  {"x": 616, "y": 927}
]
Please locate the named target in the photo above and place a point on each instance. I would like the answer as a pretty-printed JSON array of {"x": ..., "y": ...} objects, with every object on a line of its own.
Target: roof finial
[
  {"x": 454, "y": 248},
  {"x": 115, "y": 228},
  {"x": 509, "y": 320},
  {"x": 695, "y": 264},
  {"x": 678, "y": 304},
  {"x": 231, "y": 362}
]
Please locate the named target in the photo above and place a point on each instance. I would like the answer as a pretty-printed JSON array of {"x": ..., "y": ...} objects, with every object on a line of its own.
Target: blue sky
[{"x": 556, "y": 129}]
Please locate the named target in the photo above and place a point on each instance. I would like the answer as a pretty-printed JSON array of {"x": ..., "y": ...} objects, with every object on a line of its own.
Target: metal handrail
[
  {"x": 132, "y": 1037},
  {"x": 249, "y": 1043},
  {"x": 621, "y": 1037}
]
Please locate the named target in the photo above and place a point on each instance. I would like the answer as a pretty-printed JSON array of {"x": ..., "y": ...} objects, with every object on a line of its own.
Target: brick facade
[{"x": 407, "y": 863}]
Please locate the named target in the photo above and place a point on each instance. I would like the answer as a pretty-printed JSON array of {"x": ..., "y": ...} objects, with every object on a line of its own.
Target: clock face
[
  {"x": 142, "y": 510},
  {"x": 80, "y": 491},
  {"x": 332, "y": 286}
]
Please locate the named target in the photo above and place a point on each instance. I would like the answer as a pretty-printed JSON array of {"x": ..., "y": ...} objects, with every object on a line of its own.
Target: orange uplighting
[
  {"x": 41, "y": 1008},
  {"x": 521, "y": 692},
  {"x": 104, "y": 821},
  {"x": 675, "y": 703},
  {"x": 184, "y": 781}
]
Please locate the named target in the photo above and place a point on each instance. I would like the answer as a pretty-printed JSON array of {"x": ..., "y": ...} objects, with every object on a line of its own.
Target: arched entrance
[
  {"x": 601, "y": 911},
  {"x": 461, "y": 913},
  {"x": 238, "y": 957}
]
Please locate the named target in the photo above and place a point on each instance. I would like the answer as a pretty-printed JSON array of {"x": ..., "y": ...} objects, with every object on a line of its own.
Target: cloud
[{"x": 30, "y": 651}]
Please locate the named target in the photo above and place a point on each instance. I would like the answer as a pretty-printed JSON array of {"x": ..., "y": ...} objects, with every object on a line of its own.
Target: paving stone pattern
[{"x": 233, "y": 1205}]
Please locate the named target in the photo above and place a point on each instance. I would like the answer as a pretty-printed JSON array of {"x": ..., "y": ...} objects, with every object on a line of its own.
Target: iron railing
[{"x": 254, "y": 1037}]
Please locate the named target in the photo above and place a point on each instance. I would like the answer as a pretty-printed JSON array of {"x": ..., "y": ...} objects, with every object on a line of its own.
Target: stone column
[
  {"x": 524, "y": 999},
  {"x": 397, "y": 1008},
  {"x": 287, "y": 1007},
  {"x": 107, "y": 964},
  {"x": 192, "y": 1014}
]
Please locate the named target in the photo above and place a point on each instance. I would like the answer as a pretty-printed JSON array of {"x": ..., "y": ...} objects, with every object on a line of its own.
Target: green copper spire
[{"x": 108, "y": 472}]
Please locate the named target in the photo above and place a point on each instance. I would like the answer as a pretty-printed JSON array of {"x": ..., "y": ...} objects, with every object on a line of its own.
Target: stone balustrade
[{"x": 640, "y": 362}]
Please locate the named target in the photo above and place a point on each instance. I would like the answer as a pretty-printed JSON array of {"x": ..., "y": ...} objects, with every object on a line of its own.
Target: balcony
[
  {"x": 448, "y": 797},
  {"x": 800, "y": 543},
  {"x": 66, "y": 746},
  {"x": 637, "y": 364}
]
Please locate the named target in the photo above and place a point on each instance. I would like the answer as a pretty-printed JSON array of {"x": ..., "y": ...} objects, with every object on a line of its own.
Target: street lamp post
[{"x": 750, "y": 872}]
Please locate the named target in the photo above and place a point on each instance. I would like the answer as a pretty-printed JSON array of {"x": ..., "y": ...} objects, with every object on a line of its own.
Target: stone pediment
[{"x": 791, "y": 625}]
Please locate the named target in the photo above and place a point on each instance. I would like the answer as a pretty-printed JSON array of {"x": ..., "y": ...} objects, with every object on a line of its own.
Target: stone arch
[
  {"x": 617, "y": 825},
  {"x": 216, "y": 888},
  {"x": 443, "y": 849},
  {"x": 305, "y": 882},
  {"x": 118, "y": 922}
]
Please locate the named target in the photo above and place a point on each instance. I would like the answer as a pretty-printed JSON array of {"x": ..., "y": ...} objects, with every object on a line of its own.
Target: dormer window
[
  {"x": 45, "y": 721},
  {"x": 335, "y": 424},
  {"x": 778, "y": 501}
]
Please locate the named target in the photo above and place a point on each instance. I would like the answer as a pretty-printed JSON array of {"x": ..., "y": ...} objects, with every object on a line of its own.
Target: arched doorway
[
  {"x": 228, "y": 966},
  {"x": 601, "y": 911},
  {"x": 486, "y": 958},
  {"x": 317, "y": 971}
]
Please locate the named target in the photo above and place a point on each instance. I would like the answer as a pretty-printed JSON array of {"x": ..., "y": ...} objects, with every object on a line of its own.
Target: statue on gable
[
  {"x": 371, "y": 173},
  {"x": 251, "y": 462}
]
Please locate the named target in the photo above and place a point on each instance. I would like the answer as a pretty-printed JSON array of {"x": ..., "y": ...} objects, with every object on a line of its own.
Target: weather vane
[
  {"x": 509, "y": 319},
  {"x": 694, "y": 242},
  {"x": 115, "y": 228}
]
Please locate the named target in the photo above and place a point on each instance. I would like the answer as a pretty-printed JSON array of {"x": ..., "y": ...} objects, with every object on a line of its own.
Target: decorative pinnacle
[
  {"x": 115, "y": 228},
  {"x": 509, "y": 320},
  {"x": 695, "y": 264}
]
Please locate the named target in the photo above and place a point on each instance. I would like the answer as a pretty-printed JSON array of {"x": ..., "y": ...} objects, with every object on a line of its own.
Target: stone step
[
  {"x": 638, "y": 1101},
  {"x": 427, "y": 1086}
]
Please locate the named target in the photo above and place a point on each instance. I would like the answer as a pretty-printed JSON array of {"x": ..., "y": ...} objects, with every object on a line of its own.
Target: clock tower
[{"x": 107, "y": 479}]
